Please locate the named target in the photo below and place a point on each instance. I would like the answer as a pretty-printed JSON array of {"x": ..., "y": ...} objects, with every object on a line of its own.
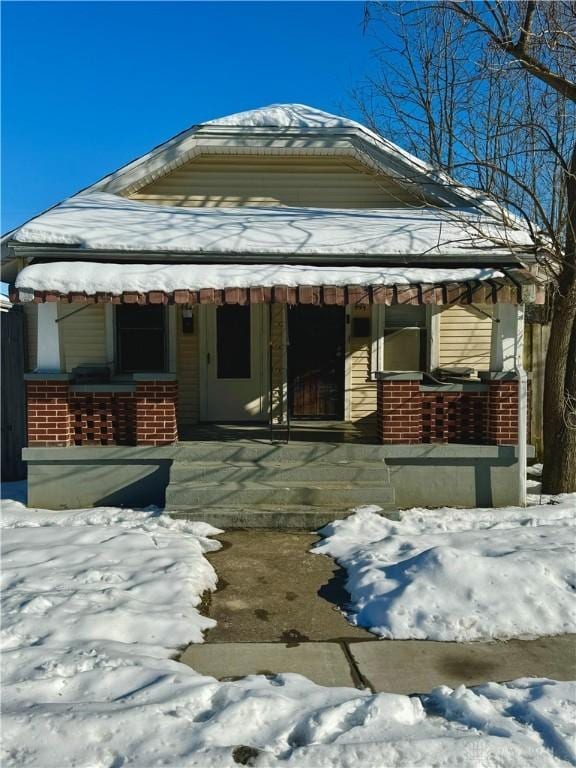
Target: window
[
  {"x": 399, "y": 338},
  {"x": 140, "y": 338},
  {"x": 233, "y": 341}
]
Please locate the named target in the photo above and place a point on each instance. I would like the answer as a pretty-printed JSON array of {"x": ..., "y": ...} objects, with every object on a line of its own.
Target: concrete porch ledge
[
  {"x": 426, "y": 475},
  {"x": 299, "y": 450},
  {"x": 398, "y": 376},
  {"x": 97, "y": 453},
  {"x": 48, "y": 376},
  {"x": 462, "y": 451}
]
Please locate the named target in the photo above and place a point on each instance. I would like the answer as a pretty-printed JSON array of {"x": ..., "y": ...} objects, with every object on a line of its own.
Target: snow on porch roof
[
  {"x": 102, "y": 221},
  {"x": 257, "y": 283}
]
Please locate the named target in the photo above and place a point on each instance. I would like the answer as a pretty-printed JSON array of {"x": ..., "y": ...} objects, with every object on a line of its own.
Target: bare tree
[{"x": 486, "y": 91}]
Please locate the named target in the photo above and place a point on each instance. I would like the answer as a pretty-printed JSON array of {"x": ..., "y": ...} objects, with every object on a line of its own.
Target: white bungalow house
[{"x": 274, "y": 311}]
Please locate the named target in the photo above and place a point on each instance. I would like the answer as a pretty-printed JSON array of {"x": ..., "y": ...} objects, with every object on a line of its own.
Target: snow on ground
[
  {"x": 460, "y": 574},
  {"x": 91, "y": 277},
  {"x": 103, "y": 573},
  {"x": 96, "y": 601},
  {"x": 100, "y": 220}
]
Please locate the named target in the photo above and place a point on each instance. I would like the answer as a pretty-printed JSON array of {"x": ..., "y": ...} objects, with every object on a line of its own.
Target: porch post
[
  {"x": 507, "y": 342},
  {"x": 506, "y": 356},
  {"x": 48, "y": 357}
]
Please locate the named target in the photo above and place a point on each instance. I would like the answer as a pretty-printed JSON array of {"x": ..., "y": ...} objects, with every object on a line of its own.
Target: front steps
[
  {"x": 270, "y": 518},
  {"x": 256, "y": 484}
]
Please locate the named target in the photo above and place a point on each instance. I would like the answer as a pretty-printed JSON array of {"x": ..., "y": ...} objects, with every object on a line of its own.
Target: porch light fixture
[{"x": 187, "y": 320}]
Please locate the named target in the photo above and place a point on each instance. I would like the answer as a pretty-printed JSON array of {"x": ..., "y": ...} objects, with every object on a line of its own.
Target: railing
[
  {"x": 103, "y": 418},
  {"x": 477, "y": 412},
  {"x": 60, "y": 413}
]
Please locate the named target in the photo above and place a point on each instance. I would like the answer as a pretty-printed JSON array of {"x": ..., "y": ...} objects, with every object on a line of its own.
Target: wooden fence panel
[{"x": 13, "y": 437}]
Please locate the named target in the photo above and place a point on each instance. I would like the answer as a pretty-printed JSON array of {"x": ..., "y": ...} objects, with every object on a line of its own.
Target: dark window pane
[
  {"x": 233, "y": 341},
  {"x": 140, "y": 338}
]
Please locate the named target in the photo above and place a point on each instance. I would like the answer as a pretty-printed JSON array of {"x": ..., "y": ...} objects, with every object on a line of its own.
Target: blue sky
[{"x": 88, "y": 86}]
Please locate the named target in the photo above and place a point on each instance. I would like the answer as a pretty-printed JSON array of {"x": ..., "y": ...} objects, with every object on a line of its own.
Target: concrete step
[
  {"x": 286, "y": 516},
  {"x": 366, "y": 473},
  {"x": 333, "y": 495},
  {"x": 279, "y": 453}
]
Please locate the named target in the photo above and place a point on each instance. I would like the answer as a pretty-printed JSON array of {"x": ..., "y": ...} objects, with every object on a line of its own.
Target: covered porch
[
  {"x": 174, "y": 360},
  {"x": 261, "y": 378}
]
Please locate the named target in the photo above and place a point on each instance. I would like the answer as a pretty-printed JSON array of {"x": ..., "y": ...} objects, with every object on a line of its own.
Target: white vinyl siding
[
  {"x": 188, "y": 371},
  {"x": 237, "y": 180},
  {"x": 465, "y": 333},
  {"x": 362, "y": 389},
  {"x": 82, "y": 335}
]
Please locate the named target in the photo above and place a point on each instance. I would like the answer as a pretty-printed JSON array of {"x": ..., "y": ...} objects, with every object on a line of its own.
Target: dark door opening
[{"x": 316, "y": 337}]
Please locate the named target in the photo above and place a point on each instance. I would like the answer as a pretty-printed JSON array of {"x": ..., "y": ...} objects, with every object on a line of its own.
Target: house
[{"x": 279, "y": 309}]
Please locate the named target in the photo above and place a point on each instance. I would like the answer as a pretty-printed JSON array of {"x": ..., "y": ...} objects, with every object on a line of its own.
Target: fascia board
[{"x": 30, "y": 251}]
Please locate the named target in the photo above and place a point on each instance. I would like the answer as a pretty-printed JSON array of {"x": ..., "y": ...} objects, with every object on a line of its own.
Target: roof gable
[
  {"x": 289, "y": 130},
  {"x": 240, "y": 179}
]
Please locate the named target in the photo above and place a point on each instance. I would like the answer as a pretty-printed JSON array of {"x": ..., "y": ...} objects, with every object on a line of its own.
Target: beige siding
[
  {"x": 188, "y": 372},
  {"x": 362, "y": 390},
  {"x": 82, "y": 335},
  {"x": 236, "y": 180},
  {"x": 31, "y": 326},
  {"x": 465, "y": 334}
]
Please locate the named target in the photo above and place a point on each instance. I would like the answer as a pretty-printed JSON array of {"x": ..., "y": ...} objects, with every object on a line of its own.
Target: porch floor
[{"x": 302, "y": 431}]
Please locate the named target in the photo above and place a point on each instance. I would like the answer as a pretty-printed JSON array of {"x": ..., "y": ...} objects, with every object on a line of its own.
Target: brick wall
[
  {"x": 156, "y": 412},
  {"x": 58, "y": 417},
  {"x": 409, "y": 415},
  {"x": 503, "y": 412},
  {"x": 47, "y": 414},
  {"x": 399, "y": 405}
]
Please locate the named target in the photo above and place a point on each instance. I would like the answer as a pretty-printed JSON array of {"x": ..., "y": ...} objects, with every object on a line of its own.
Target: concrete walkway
[
  {"x": 271, "y": 588},
  {"x": 277, "y": 608},
  {"x": 395, "y": 666}
]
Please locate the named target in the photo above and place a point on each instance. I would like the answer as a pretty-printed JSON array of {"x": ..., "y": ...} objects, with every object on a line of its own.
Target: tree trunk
[{"x": 559, "y": 475}]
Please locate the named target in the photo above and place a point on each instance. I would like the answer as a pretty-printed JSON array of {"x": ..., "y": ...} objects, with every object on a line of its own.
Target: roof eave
[{"x": 75, "y": 253}]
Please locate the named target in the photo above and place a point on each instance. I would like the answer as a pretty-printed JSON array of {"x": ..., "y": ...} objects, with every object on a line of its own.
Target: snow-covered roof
[
  {"x": 303, "y": 117},
  {"x": 102, "y": 221},
  {"x": 286, "y": 116},
  {"x": 457, "y": 222},
  {"x": 94, "y": 277}
]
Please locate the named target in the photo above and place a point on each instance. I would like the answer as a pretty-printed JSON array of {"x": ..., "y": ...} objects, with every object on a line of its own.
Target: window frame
[
  {"x": 166, "y": 356},
  {"x": 377, "y": 351}
]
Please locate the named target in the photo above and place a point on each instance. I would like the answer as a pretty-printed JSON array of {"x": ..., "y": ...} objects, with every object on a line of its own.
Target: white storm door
[{"x": 235, "y": 361}]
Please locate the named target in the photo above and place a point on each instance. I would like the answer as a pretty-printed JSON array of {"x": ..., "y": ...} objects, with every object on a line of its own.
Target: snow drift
[{"x": 460, "y": 574}]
